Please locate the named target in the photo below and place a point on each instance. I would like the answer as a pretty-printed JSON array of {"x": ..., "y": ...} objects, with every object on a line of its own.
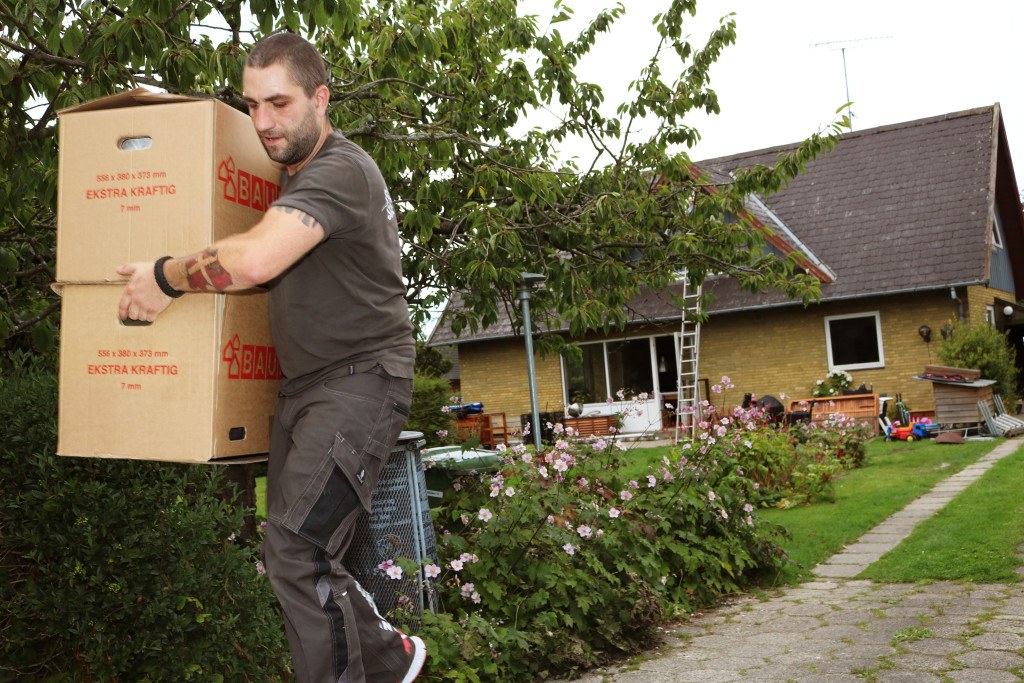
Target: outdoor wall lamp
[
  {"x": 925, "y": 332},
  {"x": 1008, "y": 310},
  {"x": 530, "y": 280}
]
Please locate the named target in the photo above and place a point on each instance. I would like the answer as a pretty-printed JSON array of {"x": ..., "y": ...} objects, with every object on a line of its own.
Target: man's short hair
[{"x": 305, "y": 65}]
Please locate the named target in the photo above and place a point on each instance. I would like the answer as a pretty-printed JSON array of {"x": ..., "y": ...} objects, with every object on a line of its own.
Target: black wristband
[{"x": 161, "y": 280}]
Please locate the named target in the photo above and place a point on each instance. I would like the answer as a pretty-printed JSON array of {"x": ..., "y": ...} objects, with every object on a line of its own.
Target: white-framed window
[
  {"x": 854, "y": 341},
  {"x": 636, "y": 365},
  {"x": 990, "y": 315}
]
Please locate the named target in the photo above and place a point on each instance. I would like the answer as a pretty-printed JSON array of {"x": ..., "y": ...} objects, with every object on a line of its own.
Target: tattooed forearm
[
  {"x": 306, "y": 219},
  {"x": 205, "y": 272}
]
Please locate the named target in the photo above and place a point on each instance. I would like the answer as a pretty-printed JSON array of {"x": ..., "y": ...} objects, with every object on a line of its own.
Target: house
[{"x": 908, "y": 226}]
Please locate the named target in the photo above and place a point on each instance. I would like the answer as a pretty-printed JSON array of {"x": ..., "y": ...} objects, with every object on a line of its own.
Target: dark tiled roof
[{"x": 892, "y": 209}]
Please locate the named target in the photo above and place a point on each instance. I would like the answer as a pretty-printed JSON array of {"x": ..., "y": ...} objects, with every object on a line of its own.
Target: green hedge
[{"x": 121, "y": 570}]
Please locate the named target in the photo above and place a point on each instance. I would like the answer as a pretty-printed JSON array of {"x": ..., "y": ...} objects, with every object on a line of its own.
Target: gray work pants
[{"x": 328, "y": 445}]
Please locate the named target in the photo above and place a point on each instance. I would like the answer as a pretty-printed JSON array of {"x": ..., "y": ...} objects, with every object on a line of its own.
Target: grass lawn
[
  {"x": 974, "y": 538},
  {"x": 895, "y": 473},
  {"x": 261, "y": 497}
]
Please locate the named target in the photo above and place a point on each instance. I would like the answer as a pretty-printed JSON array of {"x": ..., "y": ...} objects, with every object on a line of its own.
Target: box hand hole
[{"x": 135, "y": 143}]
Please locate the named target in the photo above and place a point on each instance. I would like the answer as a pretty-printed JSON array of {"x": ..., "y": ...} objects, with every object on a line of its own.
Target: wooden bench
[
  {"x": 861, "y": 407},
  {"x": 597, "y": 425}
]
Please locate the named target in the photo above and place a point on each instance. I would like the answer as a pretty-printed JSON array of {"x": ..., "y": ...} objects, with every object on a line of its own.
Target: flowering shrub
[
  {"x": 833, "y": 384},
  {"x": 838, "y": 436},
  {"x": 557, "y": 560}
]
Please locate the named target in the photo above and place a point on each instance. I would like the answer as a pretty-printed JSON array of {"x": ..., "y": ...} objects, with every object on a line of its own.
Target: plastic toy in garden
[{"x": 910, "y": 432}]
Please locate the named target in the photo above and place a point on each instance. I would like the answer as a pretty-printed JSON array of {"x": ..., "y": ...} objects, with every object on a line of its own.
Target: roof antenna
[{"x": 841, "y": 45}]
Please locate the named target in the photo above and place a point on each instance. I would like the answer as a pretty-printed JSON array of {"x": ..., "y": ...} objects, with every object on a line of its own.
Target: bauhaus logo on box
[
  {"x": 250, "y": 361},
  {"x": 245, "y": 188}
]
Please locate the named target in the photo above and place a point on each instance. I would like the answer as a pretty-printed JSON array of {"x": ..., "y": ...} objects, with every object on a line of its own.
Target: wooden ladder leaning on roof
[{"x": 688, "y": 388}]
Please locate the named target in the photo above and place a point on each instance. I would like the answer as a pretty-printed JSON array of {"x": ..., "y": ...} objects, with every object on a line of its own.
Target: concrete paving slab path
[{"x": 837, "y": 628}]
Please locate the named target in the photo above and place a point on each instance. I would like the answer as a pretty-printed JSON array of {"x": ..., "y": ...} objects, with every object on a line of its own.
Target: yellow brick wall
[
  {"x": 495, "y": 374},
  {"x": 774, "y": 351},
  {"x": 783, "y": 351},
  {"x": 979, "y": 298}
]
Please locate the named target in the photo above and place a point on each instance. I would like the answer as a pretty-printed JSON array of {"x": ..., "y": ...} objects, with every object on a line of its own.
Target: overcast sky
[{"x": 905, "y": 59}]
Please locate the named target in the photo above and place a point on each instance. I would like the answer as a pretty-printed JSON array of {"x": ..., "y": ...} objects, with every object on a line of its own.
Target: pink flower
[
  {"x": 625, "y": 495},
  {"x": 260, "y": 569},
  {"x": 475, "y": 597},
  {"x": 394, "y": 571},
  {"x": 748, "y": 508},
  {"x": 441, "y": 433},
  {"x": 467, "y": 589},
  {"x": 633, "y": 485},
  {"x": 456, "y": 565},
  {"x": 432, "y": 571},
  {"x": 510, "y": 492},
  {"x": 711, "y": 496},
  {"x": 584, "y": 531},
  {"x": 484, "y": 515},
  {"x": 569, "y": 548},
  {"x": 725, "y": 515}
]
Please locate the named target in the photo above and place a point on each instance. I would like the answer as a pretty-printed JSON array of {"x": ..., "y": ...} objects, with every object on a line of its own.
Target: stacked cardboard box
[{"x": 141, "y": 176}]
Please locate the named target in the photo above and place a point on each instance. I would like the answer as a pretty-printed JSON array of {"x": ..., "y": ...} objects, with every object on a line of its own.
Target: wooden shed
[{"x": 956, "y": 392}]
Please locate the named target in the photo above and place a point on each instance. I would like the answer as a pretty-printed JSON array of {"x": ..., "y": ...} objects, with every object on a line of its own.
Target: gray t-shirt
[{"x": 344, "y": 302}]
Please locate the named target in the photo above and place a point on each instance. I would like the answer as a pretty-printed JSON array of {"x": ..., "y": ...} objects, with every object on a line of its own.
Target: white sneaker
[{"x": 415, "y": 646}]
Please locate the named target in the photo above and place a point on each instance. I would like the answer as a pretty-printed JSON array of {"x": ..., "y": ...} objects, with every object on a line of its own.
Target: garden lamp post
[{"x": 530, "y": 280}]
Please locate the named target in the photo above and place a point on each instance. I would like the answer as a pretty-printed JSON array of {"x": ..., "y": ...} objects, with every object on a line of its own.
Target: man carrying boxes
[{"x": 328, "y": 251}]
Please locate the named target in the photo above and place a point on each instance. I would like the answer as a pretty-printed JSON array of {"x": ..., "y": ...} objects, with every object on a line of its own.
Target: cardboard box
[{"x": 199, "y": 384}]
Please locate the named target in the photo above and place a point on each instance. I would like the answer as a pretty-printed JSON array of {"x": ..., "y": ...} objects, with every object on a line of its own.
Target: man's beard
[{"x": 300, "y": 141}]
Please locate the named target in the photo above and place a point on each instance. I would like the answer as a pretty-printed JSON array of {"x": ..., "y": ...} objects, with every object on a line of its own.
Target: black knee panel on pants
[{"x": 336, "y": 502}]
